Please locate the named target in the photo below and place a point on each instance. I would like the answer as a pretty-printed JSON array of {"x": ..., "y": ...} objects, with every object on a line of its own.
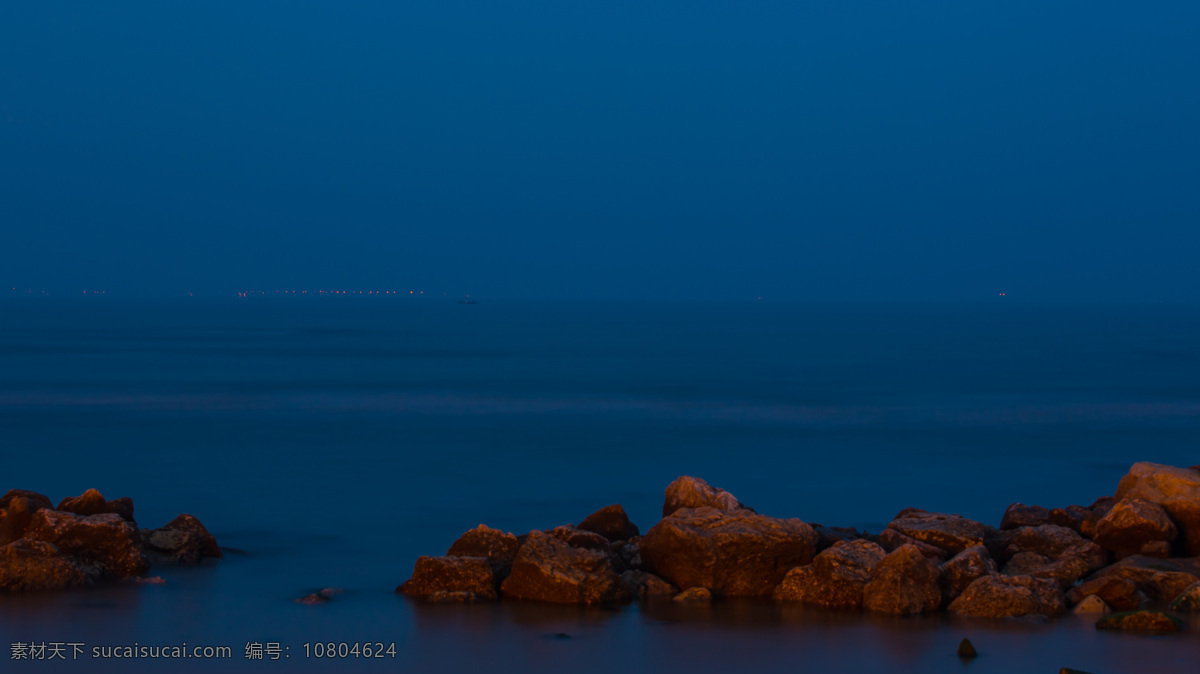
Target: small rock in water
[
  {"x": 322, "y": 596},
  {"x": 1092, "y": 604},
  {"x": 966, "y": 649},
  {"x": 153, "y": 580},
  {"x": 1145, "y": 622},
  {"x": 560, "y": 636},
  {"x": 694, "y": 595}
]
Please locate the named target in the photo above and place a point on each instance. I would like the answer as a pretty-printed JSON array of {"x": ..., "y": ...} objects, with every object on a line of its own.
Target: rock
[
  {"x": 1003, "y": 596},
  {"x": 1056, "y": 543},
  {"x": 997, "y": 541},
  {"x": 1177, "y": 490},
  {"x": 835, "y": 579},
  {"x": 152, "y": 580},
  {"x": 628, "y": 554},
  {"x": 828, "y": 536},
  {"x": 1159, "y": 579},
  {"x": 578, "y": 538},
  {"x": 322, "y": 596},
  {"x": 1132, "y": 526},
  {"x": 735, "y": 553},
  {"x": 1092, "y": 604},
  {"x": 39, "y": 500},
  {"x": 890, "y": 540},
  {"x": 107, "y": 540},
  {"x": 15, "y": 518},
  {"x": 966, "y": 649},
  {"x": 1143, "y": 622},
  {"x": 1021, "y": 515},
  {"x": 549, "y": 569},
  {"x": 498, "y": 547},
  {"x": 183, "y": 540},
  {"x": 1119, "y": 593},
  {"x": 951, "y": 533},
  {"x": 1071, "y": 517},
  {"x": 903, "y": 582},
  {"x": 1188, "y": 600},
  {"x": 434, "y": 576},
  {"x": 692, "y": 492},
  {"x": 648, "y": 585},
  {"x": 27, "y": 565},
  {"x": 1064, "y": 571},
  {"x": 963, "y": 569},
  {"x": 694, "y": 595},
  {"x": 1098, "y": 510},
  {"x": 91, "y": 502},
  {"x": 610, "y": 522}
]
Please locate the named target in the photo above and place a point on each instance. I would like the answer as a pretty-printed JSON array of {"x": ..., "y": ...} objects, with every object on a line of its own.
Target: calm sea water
[{"x": 333, "y": 442}]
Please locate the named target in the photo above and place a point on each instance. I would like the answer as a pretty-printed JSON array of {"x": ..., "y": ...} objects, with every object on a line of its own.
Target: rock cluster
[
  {"x": 87, "y": 538},
  {"x": 1122, "y": 553}
]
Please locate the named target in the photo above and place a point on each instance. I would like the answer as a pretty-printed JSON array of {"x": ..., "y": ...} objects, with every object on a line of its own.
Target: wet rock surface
[
  {"x": 692, "y": 492},
  {"x": 949, "y": 533},
  {"x": 963, "y": 569},
  {"x": 902, "y": 583},
  {"x": 610, "y": 522},
  {"x": 1177, "y": 490},
  {"x": 87, "y": 538},
  {"x": 734, "y": 553},
  {"x": 835, "y": 579},
  {"x": 451, "y": 579},
  {"x": 1136, "y": 526},
  {"x": 552, "y": 570},
  {"x": 1002, "y": 596}
]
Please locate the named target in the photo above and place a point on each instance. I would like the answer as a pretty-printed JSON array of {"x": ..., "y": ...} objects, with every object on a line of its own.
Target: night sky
[{"x": 828, "y": 150}]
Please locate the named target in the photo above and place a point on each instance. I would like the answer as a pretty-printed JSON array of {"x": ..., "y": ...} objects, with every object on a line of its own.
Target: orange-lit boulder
[
  {"x": 735, "y": 553},
  {"x": 549, "y": 569}
]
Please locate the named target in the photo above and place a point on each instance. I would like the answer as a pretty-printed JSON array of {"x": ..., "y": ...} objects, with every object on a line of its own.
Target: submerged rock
[
  {"x": 440, "y": 578},
  {"x": 1177, "y": 490},
  {"x": 1143, "y": 622},
  {"x": 610, "y": 522},
  {"x": 966, "y": 649},
  {"x": 692, "y": 492},
  {"x": 835, "y": 579},
  {"x": 37, "y": 565},
  {"x": 1136, "y": 526},
  {"x": 735, "y": 553},
  {"x": 904, "y": 582},
  {"x": 549, "y": 569},
  {"x": 1001, "y": 596}
]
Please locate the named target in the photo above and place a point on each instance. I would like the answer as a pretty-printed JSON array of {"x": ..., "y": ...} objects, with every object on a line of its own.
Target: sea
[{"x": 328, "y": 442}]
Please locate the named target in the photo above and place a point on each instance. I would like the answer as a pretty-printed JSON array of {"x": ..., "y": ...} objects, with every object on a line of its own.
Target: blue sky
[{"x": 673, "y": 150}]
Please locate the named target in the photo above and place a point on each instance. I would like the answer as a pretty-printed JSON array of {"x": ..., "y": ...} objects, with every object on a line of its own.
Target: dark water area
[{"x": 334, "y": 441}]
